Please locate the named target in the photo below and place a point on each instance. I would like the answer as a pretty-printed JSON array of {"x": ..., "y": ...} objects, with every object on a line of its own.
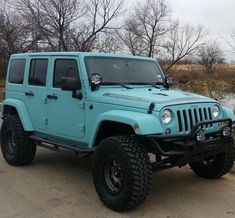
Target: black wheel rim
[
  {"x": 10, "y": 145},
  {"x": 113, "y": 176},
  {"x": 209, "y": 161}
]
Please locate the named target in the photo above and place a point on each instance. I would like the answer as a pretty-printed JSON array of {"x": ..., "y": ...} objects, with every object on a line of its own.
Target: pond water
[
  {"x": 229, "y": 101},
  {"x": 226, "y": 99}
]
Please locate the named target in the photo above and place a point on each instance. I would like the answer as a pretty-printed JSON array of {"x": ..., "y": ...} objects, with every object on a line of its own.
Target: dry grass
[{"x": 194, "y": 78}]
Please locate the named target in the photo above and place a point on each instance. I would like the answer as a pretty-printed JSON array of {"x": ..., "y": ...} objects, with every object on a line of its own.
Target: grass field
[{"x": 194, "y": 78}]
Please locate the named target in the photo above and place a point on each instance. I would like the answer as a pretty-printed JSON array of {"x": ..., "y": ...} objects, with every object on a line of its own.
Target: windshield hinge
[{"x": 83, "y": 105}]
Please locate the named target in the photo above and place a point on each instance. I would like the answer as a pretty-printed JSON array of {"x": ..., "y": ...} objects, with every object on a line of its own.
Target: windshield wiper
[
  {"x": 159, "y": 83},
  {"x": 146, "y": 83},
  {"x": 114, "y": 83}
]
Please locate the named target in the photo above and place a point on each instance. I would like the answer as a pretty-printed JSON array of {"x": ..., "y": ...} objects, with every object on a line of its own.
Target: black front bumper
[{"x": 183, "y": 149}]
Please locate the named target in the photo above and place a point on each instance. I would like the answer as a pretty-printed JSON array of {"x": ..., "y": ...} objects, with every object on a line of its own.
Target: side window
[
  {"x": 38, "y": 72},
  {"x": 64, "y": 68},
  {"x": 16, "y": 72}
]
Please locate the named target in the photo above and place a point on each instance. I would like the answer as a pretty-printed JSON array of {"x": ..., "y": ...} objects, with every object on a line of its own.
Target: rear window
[
  {"x": 16, "y": 73},
  {"x": 38, "y": 72}
]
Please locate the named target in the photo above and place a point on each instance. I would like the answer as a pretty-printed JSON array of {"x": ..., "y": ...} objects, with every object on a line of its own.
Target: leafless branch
[
  {"x": 182, "y": 41},
  {"x": 210, "y": 55},
  {"x": 144, "y": 29},
  {"x": 98, "y": 19},
  {"x": 53, "y": 18}
]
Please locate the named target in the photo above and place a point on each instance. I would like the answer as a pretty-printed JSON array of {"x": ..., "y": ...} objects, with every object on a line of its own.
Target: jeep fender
[
  {"x": 227, "y": 113},
  {"x": 21, "y": 110},
  {"x": 142, "y": 124}
]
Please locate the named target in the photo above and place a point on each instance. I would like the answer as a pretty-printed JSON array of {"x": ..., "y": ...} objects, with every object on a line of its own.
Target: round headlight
[
  {"x": 215, "y": 111},
  {"x": 166, "y": 117}
]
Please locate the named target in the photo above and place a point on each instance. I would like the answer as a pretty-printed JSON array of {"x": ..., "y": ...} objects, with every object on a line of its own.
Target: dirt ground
[{"x": 60, "y": 185}]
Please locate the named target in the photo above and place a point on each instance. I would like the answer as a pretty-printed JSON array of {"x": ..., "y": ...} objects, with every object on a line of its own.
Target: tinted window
[
  {"x": 64, "y": 68},
  {"x": 124, "y": 70},
  {"x": 38, "y": 72},
  {"x": 16, "y": 73}
]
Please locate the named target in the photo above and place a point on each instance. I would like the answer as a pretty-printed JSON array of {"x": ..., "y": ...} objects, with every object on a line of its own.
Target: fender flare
[
  {"x": 228, "y": 113},
  {"x": 147, "y": 123},
  {"x": 21, "y": 110}
]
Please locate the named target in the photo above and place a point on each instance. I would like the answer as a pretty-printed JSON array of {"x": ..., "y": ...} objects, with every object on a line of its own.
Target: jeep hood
[{"x": 142, "y": 97}]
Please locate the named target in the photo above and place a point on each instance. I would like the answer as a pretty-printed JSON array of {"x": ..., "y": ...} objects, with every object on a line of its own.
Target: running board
[{"x": 57, "y": 146}]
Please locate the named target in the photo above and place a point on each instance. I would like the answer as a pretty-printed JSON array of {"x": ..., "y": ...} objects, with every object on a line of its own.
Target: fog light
[
  {"x": 226, "y": 131},
  {"x": 201, "y": 136}
]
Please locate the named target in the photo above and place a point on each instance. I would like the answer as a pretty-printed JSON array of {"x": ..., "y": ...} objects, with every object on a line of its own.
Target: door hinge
[
  {"x": 44, "y": 100},
  {"x": 45, "y": 121},
  {"x": 81, "y": 128}
]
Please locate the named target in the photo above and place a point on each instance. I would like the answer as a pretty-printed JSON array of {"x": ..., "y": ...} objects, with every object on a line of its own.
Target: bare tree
[
  {"x": 108, "y": 42},
  {"x": 182, "y": 42},
  {"x": 231, "y": 41},
  {"x": 71, "y": 24},
  {"x": 97, "y": 20},
  {"x": 15, "y": 35},
  {"x": 210, "y": 55},
  {"x": 52, "y": 18},
  {"x": 145, "y": 28},
  {"x": 132, "y": 39}
]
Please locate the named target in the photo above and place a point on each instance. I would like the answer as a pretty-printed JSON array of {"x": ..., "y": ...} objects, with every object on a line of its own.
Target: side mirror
[
  {"x": 95, "y": 80},
  {"x": 169, "y": 81},
  {"x": 70, "y": 84}
]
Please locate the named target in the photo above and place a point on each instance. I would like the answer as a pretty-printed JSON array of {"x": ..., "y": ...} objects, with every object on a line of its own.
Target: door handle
[
  {"x": 29, "y": 93},
  {"x": 52, "y": 97}
]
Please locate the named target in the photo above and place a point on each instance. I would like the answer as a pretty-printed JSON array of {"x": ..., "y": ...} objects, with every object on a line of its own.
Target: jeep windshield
[{"x": 121, "y": 71}]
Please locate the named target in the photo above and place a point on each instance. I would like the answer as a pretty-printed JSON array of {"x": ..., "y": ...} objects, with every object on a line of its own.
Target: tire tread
[
  {"x": 26, "y": 148},
  {"x": 139, "y": 166},
  {"x": 224, "y": 163}
]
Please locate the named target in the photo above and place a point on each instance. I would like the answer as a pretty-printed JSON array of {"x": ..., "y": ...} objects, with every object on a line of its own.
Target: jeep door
[
  {"x": 35, "y": 91},
  {"x": 65, "y": 113}
]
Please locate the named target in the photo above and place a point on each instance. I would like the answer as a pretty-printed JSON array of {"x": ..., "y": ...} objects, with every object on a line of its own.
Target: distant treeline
[{"x": 148, "y": 29}]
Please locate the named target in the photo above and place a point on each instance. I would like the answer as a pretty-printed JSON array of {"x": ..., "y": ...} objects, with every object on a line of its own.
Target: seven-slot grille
[{"x": 188, "y": 118}]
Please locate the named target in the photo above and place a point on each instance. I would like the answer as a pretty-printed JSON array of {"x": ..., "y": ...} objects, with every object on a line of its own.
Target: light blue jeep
[{"x": 120, "y": 108}]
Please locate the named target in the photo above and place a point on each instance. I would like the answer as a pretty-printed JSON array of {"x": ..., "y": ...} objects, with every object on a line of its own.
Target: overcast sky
[{"x": 218, "y": 16}]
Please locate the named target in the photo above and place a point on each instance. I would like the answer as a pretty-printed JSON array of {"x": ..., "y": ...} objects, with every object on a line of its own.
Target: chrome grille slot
[{"x": 187, "y": 119}]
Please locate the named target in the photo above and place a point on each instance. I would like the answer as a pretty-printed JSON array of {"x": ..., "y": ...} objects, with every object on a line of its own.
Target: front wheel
[
  {"x": 215, "y": 166},
  {"x": 122, "y": 173}
]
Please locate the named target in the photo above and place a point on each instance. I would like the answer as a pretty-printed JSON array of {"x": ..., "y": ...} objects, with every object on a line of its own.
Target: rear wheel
[
  {"x": 122, "y": 173},
  {"x": 17, "y": 148},
  {"x": 215, "y": 166}
]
